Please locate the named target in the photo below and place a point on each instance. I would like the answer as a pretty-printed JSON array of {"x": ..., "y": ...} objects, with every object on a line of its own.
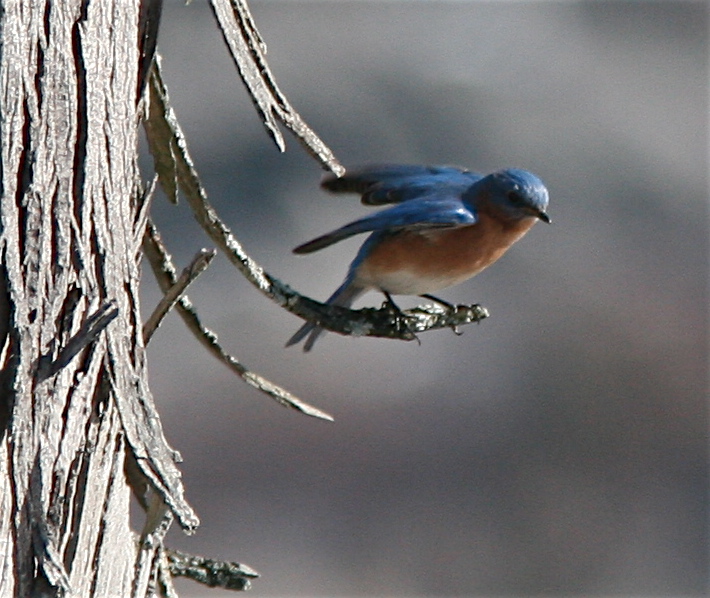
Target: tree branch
[
  {"x": 164, "y": 270},
  {"x": 215, "y": 574},
  {"x": 172, "y": 295},
  {"x": 248, "y": 52}
]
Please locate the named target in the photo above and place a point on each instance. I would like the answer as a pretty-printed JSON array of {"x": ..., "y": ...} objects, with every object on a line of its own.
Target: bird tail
[{"x": 344, "y": 297}]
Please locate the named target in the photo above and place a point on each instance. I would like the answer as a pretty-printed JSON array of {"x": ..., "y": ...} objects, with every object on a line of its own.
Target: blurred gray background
[{"x": 559, "y": 448}]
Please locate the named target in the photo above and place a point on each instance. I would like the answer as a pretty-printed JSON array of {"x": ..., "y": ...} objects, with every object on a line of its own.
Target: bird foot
[
  {"x": 400, "y": 317},
  {"x": 441, "y": 302},
  {"x": 450, "y": 306}
]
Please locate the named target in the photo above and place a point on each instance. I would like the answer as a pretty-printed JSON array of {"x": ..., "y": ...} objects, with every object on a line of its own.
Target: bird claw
[
  {"x": 453, "y": 309},
  {"x": 400, "y": 317},
  {"x": 392, "y": 306},
  {"x": 441, "y": 302}
]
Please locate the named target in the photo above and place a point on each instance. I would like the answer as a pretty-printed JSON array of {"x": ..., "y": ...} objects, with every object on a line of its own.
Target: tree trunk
[{"x": 75, "y": 407}]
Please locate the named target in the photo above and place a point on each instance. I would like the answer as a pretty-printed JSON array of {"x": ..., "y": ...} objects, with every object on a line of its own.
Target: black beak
[{"x": 544, "y": 217}]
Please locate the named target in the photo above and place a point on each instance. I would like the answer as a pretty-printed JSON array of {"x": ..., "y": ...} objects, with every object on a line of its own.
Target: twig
[
  {"x": 196, "y": 267},
  {"x": 215, "y": 574},
  {"x": 248, "y": 51},
  {"x": 164, "y": 270},
  {"x": 167, "y": 142},
  {"x": 89, "y": 331}
]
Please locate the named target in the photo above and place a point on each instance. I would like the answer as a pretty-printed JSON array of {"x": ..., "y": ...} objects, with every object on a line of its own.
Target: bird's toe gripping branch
[{"x": 388, "y": 321}]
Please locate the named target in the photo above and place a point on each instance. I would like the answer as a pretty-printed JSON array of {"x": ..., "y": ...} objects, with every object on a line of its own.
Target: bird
[{"x": 445, "y": 226}]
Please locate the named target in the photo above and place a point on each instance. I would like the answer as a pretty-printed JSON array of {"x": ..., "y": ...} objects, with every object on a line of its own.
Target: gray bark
[
  {"x": 76, "y": 412},
  {"x": 79, "y": 432}
]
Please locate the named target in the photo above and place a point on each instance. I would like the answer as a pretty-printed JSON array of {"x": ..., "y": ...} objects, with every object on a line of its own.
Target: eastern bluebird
[{"x": 448, "y": 224}]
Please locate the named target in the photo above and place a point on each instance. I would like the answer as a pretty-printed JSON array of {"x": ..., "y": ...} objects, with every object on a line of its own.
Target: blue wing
[
  {"x": 417, "y": 214},
  {"x": 396, "y": 183}
]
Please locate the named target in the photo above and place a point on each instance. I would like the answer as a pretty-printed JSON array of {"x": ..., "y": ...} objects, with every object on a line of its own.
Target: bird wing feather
[
  {"x": 417, "y": 214},
  {"x": 397, "y": 183}
]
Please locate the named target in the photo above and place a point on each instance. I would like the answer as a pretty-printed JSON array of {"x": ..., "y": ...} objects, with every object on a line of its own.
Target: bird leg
[
  {"x": 392, "y": 306},
  {"x": 398, "y": 313}
]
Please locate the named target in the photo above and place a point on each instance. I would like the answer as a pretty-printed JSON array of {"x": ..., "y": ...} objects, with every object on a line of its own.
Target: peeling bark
[{"x": 76, "y": 403}]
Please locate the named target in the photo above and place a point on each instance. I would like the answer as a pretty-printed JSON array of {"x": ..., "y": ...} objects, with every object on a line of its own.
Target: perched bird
[{"x": 446, "y": 226}]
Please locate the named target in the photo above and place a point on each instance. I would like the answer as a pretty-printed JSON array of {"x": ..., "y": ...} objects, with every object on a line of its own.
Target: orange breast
[{"x": 419, "y": 262}]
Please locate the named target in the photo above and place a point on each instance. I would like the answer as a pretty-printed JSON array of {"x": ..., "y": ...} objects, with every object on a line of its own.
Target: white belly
[{"x": 405, "y": 282}]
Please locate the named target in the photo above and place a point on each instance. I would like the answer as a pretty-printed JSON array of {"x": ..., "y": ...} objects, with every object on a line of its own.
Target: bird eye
[{"x": 515, "y": 198}]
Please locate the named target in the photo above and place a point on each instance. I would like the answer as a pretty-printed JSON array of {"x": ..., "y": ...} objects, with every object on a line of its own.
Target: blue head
[{"x": 518, "y": 194}]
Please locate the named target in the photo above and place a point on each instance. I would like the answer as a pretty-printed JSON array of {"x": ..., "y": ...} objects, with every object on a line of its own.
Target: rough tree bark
[
  {"x": 76, "y": 411},
  {"x": 79, "y": 432}
]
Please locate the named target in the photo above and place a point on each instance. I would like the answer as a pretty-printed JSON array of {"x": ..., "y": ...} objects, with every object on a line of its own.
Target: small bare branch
[
  {"x": 214, "y": 574},
  {"x": 196, "y": 267},
  {"x": 248, "y": 51},
  {"x": 162, "y": 266},
  {"x": 89, "y": 331}
]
